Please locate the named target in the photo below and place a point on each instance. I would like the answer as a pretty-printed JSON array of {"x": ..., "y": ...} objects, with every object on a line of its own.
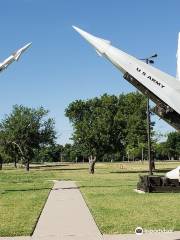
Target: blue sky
[{"x": 61, "y": 67}]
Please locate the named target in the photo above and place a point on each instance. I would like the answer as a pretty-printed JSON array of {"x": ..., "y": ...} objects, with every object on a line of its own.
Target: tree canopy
[
  {"x": 109, "y": 124},
  {"x": 26, "y": 130}
]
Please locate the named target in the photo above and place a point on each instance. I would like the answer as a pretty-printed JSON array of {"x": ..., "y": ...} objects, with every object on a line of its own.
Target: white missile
[
  {"x": 160, "y": 87},
  {"x": 14, "y": 57}
]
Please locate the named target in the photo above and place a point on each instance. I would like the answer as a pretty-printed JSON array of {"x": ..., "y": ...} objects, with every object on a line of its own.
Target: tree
[
  {"x": 1, "y": 162},
  {"x": 133, "y": 110},
  {"x": 24, "y": 131},
  {"x": 108, "y": 124},
  {"x": 4, "y": 158},
  {"x": 161, "y": 151},
  {"x": 96, "y": 129},
  {"x": 49, "y": 153},
  {"x": 173, "y": 145}
]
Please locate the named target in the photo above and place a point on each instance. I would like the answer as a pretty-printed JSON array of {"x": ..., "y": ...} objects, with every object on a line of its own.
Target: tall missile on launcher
[
  {"x": 160, "y": 87},
  {"x": 14, "y": 57}
]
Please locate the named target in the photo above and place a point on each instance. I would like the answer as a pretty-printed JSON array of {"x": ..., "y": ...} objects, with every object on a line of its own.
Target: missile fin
[{"x": 98, "y": 53}]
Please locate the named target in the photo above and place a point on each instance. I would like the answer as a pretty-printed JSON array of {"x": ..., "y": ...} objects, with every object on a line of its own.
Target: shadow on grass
[
  {"x": 65, "y": 188},
  {"x": 144, "y": 171},
  {"x": 133, "y": 171},
  {"x": 24, "y": 190},
  {"x": 108, "y": 186},
  {"x": 65, "y": 169},
  {"x": 56, "y": 189},
  {"x": 163, "y": 170},
  {"x": 48, "y": 166}
]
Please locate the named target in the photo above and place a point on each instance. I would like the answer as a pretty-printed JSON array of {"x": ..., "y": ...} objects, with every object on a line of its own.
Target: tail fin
[{"x": 178, "y": 59}]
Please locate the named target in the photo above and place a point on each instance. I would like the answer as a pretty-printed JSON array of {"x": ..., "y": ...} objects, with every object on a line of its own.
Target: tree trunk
[
  {"x": 153, "y": 162},
  {"x": 27, "y": 165},
  {"x": 1, "y": 162},
  {"x": 128, "y": 156},
  {"x": 92, "y": 161},
  {"x": 153, "y": 165},
  {"x": 142, "y": 154},
  {"x": 15, "y": 163}
]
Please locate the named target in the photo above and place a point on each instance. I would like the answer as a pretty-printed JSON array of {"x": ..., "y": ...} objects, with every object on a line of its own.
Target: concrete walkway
[{"x": 66, "y": 216}]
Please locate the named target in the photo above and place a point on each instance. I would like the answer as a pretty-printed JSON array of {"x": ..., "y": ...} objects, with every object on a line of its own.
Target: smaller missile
[
  {"x": 18, "y": 53},
  {"x": 14, "y": 57}
]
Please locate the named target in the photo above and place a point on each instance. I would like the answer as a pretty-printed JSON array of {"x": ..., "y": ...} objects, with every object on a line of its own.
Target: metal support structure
[
  {"x": 149, "y": 133},
  {"x": 149, "y": 137},
  {"x": 148, "y": 60}
]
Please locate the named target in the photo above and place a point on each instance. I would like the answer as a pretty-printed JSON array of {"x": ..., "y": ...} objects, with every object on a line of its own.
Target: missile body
[
  {"x": 160, "y": 87},
  {"x": 14, "y": 57}
]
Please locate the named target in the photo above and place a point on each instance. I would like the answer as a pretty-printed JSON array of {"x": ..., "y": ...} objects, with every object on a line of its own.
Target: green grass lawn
[{"x": 108, "y": 193}]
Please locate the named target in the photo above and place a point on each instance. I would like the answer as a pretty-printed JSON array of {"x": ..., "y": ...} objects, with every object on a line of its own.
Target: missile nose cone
[
  {"x": 77, "y": 29},
  {"x": 19, "y": 52},
  {"x": 81, "y": 32},
  {"x": 100, "y": 44},
  {"x": 27, "y": 45},
  {"x": 90, "y": 38}
]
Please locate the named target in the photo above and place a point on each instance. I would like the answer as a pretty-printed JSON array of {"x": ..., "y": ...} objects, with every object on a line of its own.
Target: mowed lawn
[{"x": 108, "y": 193}]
